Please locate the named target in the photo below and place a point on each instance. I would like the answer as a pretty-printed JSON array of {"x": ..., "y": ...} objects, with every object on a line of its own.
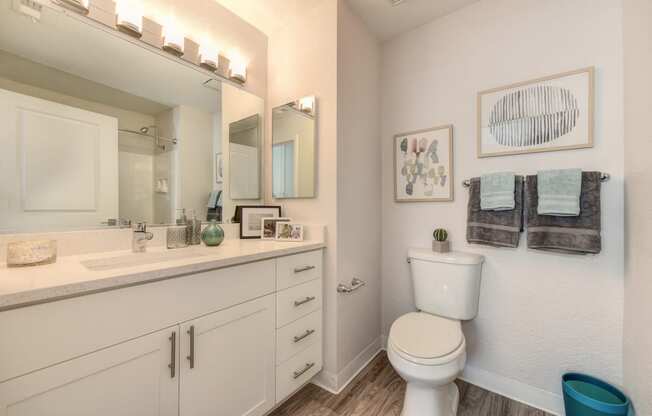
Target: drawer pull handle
[
  {"x": 303, "y": 269},
  {"x": 304, "y": 301},
  {"x": 301, "y": 372},
  {"x": 304, "y": 335},
  {"x": 191, "y": 357},
  {"x": 355, "y": 285},
  {"x": 173, "y": 354}
]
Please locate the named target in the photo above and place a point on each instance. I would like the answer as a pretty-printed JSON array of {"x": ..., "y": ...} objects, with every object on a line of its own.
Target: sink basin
[{"x": 138, "y": 259}]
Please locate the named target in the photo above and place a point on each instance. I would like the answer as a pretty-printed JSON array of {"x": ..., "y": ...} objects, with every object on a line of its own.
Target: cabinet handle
[
  {"x": 304, "y": 301},
  {"x": 301, "y": 372},
  {"x": 303, "y": 269},
  {"x": 304, "y": 335},
  {"x": 173, "y": 354},
  {"x": 191, "y": 357}
]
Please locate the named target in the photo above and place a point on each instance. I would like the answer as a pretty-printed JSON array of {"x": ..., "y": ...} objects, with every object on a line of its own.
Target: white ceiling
[
  {"x": 383, "y": 19},
  {"x": 387, "y": 21}
]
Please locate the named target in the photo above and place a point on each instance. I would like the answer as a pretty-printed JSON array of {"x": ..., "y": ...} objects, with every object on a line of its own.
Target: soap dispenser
[{"x": 195, "y": 230}]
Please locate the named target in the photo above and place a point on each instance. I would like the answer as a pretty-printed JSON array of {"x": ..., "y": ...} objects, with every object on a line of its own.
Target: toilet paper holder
[{"x": 355, "y": 285}]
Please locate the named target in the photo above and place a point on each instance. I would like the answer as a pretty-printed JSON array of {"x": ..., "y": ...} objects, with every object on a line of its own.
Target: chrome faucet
[{"x": 140, "y": 238}]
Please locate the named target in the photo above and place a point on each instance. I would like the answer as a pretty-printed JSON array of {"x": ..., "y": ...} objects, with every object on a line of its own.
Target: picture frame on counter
[
  {"x": 289, "y": 231},
  {"x": 250, "y": 218},
  {"x": 268, "y": 227}
]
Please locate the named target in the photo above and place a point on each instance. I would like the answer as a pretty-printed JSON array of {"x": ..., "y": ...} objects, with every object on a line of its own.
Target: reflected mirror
[
  {"x": 293, "y": 149},
  {"x": 101, "y": 131}
]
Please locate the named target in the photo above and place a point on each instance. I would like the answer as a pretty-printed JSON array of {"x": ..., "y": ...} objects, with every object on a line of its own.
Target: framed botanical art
[
  {"x": 423, "y": 165},
  {"x": 541, "y": 115}
]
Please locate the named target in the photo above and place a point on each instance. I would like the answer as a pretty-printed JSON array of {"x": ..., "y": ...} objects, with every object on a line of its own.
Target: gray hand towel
[
  {"x": 494, "y": 228},
  {"x": 574, "y": 235}
]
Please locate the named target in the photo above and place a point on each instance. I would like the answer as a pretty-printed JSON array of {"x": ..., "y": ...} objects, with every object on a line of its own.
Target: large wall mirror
[
  {"x": 99, "y": 130},
  {"x": 294, "y": 132}
]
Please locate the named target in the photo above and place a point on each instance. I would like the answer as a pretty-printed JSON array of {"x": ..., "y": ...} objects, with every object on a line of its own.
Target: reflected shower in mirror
[
  {"x": 294, "y": 133},
  {"x": 90, "y": 141}
]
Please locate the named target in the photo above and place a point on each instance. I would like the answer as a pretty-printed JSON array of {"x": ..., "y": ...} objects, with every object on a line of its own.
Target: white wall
[
  {"x": 637, "y": 25},
  {"x": 303, "y": 61},
  {"x": 359, "y": 190},
  {"x": 541, "y": 314}
]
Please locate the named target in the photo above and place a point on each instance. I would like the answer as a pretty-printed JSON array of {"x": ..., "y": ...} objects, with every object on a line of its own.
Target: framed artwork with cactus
[{"x": 423, "y": 165}]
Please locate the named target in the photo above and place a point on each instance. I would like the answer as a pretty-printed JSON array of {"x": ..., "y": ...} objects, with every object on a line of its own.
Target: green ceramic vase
[{"x": 213, "y": 235}]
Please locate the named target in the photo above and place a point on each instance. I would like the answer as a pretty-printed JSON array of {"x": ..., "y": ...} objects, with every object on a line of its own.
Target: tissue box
[
  {"x": 31, "y": 253},
  {"x": 102, "y": 11}
]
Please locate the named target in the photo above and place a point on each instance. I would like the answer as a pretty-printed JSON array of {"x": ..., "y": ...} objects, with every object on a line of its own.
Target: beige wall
[
  {"x": 303, "y": 61},
  {"x": 359, "y": 173},
  {"x": 541, "y": 314},
  {"x": 637, "y": 26}
]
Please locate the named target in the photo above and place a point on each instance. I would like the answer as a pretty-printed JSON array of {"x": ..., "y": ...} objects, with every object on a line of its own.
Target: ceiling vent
[{"x": 396, "y": 2}]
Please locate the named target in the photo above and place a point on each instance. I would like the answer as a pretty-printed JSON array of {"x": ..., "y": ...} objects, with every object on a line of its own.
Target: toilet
[{"x": 427, "y": 348}]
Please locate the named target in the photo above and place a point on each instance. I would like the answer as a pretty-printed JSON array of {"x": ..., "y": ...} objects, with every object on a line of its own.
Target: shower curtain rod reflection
[{"x": 156, "y": 138}]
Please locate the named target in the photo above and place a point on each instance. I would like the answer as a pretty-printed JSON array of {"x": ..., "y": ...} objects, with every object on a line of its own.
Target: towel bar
[{"x": 604, "y": 177}]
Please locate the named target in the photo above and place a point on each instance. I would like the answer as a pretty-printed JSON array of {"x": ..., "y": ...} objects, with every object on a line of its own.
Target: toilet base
[{"x": 423, "y": 400}]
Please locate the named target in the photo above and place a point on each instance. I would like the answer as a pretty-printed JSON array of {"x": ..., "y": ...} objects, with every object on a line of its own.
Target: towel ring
[{"x": 604, "y": 177}]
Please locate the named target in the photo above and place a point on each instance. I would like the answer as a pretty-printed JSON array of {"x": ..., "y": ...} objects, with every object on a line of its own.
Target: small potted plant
[{"x": 440, "y": 244}]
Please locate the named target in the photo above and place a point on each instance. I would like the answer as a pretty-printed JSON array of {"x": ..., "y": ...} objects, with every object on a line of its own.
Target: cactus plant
[{"x": 440, "y": 234}]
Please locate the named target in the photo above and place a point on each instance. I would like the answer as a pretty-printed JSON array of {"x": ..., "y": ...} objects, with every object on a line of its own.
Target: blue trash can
[{"x": 588, "y": 396}]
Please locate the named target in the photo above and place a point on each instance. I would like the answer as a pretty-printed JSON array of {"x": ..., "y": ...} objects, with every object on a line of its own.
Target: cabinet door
[
  {"x": 228, "y": 361},
  {"x": 132, "y": 378}
]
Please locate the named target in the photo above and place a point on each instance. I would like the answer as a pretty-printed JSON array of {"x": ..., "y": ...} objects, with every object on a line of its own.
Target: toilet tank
[{"x": 446, "y": 284}]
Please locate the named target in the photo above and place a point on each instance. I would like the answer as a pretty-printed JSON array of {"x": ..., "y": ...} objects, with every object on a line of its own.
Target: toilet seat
[{"x": 426, "y": 339}]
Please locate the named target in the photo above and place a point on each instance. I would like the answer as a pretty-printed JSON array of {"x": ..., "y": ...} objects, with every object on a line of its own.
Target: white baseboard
[
  {"x": 335, "y": 383},
  {"x": 515, "y": 390}
]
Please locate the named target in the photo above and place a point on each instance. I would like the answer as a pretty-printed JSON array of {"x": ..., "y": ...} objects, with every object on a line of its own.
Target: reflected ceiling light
[
  {"x": 173, "y": 41},
  {"x": 238, "y": 69},
  {"x": 307, "y": 104},
  {"x": 129, "y": 19},
  {"x": 208, "y": 57}
]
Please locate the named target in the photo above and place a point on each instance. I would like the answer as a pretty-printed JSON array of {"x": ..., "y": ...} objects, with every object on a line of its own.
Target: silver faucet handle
[{"x": 141, "y": 227}]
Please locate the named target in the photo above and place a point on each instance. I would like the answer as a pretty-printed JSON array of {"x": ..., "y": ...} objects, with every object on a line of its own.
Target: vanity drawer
[
  {"x": 298, "y": 301},
  {"x": 297, "y": 371},
  {"x": 297, "y": 336},
  {"x": 298, "y": 268}
]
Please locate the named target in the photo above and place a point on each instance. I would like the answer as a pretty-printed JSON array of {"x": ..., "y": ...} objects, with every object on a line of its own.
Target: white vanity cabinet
[
  {"x": 131, "y": 378},
  {"x": 228, "y": 361},
  {"x": 216, "y": 342}
]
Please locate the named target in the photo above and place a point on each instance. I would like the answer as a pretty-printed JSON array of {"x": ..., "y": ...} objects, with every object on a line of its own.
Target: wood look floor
[{"x": 378, "y": 391}]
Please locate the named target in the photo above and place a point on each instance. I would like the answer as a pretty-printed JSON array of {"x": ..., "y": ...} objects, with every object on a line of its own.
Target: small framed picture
[
  {"x": 288, "y": 231},
  {"x": 268, "y": 227},
  {"x": 250, "y": 218}
]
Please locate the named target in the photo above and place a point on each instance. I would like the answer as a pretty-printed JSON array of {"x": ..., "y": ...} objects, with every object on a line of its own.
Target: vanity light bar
[{"x": 130, "y": 21}]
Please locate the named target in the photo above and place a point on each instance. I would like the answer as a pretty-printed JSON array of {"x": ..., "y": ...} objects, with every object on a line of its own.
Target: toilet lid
[{"x": 422, "y": 335}]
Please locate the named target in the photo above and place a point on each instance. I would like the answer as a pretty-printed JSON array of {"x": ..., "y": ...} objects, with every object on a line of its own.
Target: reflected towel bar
[{"x": 604, "y": 177}]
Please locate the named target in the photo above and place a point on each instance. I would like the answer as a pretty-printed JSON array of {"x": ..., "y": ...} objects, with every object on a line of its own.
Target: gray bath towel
[
  {"x": 574, "y": 235},
  {"x": 494, "y": 228}
]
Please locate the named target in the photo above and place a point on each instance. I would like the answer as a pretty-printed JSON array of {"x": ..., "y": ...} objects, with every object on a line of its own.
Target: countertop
[{"x": 68, "y": 277}]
